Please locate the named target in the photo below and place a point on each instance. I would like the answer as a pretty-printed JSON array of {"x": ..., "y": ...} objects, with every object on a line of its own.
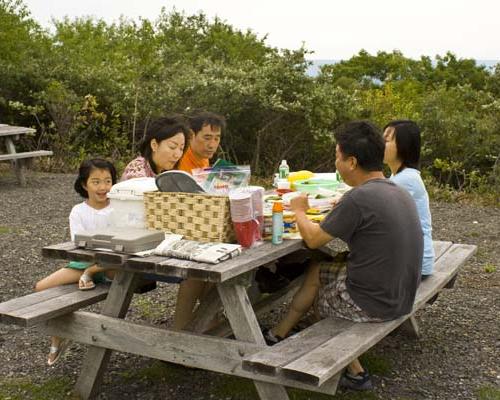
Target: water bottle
[
  {"x": 277, "y": 222},
  {"x": 284, "y": 170}
]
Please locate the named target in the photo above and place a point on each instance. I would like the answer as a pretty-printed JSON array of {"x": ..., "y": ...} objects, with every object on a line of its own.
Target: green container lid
[{"x": 312, "y": 185}]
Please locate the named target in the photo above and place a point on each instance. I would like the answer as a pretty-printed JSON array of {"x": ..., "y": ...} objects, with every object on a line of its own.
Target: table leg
[
  {"x": 95, "y": 363},
  {"x": 246, "y": 327},
  {"x": 16, "y": 164},
  {"x": 205, "y": 313}
]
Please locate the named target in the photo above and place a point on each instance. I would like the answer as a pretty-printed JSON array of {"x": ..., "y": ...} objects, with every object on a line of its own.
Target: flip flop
[
  {"x": 58, "y": 351},
  {"x": 85, "y": 282}
]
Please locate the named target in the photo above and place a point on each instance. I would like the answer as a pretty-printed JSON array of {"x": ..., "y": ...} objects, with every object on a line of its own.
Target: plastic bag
[{"x": 221, "y": 180}]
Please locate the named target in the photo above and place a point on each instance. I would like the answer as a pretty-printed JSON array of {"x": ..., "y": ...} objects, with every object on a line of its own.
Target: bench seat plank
[
  {"x": 440, "y": 248},
  {"x": 53, "y": 302},
  {"x": 26, "y": 154},
  {"x": 296, "y": 358},
  {"x": 270, "y": 360},
  {"x": 10, "y": 130},
  {"x": 34, "y": 298},
  {"x": 330, "y": 358}
]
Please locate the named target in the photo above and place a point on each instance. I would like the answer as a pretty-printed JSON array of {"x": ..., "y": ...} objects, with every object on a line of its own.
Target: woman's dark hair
[
  {"x": 202, "y": 118},
  {"x": 362, "y": 139},
  {"x": 407, "y": 136},
  {"x": 84, "y": 172},
  {"x": 161, "y": 129}
]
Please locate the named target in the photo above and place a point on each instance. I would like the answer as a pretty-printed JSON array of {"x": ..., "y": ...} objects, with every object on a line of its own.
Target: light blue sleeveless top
[{"x": 410, "y": 179}]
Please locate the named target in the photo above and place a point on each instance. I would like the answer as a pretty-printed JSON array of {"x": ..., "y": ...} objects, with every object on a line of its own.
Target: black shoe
[
  {"x": 270, "y": 338},
  {"x": 361, "y": 381}
]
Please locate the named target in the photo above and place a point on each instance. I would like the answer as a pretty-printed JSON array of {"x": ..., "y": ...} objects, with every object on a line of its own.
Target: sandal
[
  {"x": 56, "y": 351},
  {"x": 86, "y": 282}
]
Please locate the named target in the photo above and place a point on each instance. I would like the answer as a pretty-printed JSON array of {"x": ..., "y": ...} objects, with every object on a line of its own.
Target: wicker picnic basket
[{"x": 202, "y": 217}]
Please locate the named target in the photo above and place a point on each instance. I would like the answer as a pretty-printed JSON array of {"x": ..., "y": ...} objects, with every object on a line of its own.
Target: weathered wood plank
[
  {"x": 26, "y": 154},
  {"x": 255, "y": 257},
  {"x": 410, "y": 327},
  {"x": 331, "y": 357},
  {"x": 68, "y": 251},
  {"x": 97, "y": 358},
  {"x": 271, "y": 359},
  {"x": 53, "y": 307},
  {"x": 34, "y": 298},
  {"x": 249, "y": 260},
  {"x": 264, "y": 305},
  {"x": 246, "y": 327},
  {"x": 10, "y": 130},
  {"x": 181, "y": 347},
  {"x": 206, "y": 312},
  {"x": 440, "y": 248}
]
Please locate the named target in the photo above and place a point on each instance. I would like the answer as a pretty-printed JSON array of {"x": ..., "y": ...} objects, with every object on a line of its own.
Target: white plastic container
[{"x": 126, "y": 200}]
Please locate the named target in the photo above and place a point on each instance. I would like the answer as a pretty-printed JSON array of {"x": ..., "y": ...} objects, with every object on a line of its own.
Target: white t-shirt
[{"x": 83, "y": 217}]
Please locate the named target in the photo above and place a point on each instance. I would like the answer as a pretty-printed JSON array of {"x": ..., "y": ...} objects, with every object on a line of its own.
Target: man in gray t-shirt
[{"x": 380, "y": 224}]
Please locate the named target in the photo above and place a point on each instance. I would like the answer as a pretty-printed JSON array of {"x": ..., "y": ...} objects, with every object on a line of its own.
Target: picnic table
[
  {"x": 312, "y": 359},
  {"x": 108, "y": 331},
  {"x": 10, "y": 134}
]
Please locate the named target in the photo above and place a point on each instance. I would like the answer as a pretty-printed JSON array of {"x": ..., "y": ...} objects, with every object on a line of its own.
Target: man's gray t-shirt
[{"x": 380, "y": 224}]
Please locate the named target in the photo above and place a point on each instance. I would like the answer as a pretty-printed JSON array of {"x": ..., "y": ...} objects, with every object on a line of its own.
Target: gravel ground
[{"x": 456, "y": 357}]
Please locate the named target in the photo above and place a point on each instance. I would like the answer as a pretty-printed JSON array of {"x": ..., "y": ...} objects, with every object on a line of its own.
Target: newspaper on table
[{"x": 213, "y": 253}]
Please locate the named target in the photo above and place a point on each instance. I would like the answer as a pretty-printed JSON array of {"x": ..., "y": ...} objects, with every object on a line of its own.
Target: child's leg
[
  {"x": 87, "y": 280},
  {"x": 190, "y": 290},
  {"x": 301, "y": 303},
  {"x": 62, "y": 276}
]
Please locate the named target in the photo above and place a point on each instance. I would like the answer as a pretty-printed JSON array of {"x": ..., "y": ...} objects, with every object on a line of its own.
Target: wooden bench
[
  {"x": 9, "y": 134},
  {"x": 38, "y": 307},
  {"x": 26, "y": 154},
  {"x": 318, "y": 354}
]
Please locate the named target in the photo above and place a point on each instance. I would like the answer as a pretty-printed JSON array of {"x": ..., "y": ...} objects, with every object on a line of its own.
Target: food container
[
  {"x": 196, "y": 216},
  {"x": 126, "y": 200},
  {"x": 312, "y": 185}
]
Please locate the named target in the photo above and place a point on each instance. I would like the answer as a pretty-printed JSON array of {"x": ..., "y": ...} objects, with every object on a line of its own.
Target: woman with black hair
[
  {"x": 164, "y": 143},
  {"x": 402, "y": 155}
]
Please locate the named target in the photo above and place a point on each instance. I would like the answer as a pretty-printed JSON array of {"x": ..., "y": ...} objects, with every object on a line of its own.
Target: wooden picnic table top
[
  {"x": 166, "y": 266},
  {"x": 10, "y": 130}
]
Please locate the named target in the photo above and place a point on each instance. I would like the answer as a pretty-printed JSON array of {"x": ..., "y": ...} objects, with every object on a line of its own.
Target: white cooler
[{"x": 126, "y": 200}]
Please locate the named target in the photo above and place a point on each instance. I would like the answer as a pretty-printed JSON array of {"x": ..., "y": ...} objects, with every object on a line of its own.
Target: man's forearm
[{"x": 312, "y": 233}]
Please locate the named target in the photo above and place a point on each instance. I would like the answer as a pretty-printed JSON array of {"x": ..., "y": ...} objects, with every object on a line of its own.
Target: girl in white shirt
[{"x": 93, "y": 183}]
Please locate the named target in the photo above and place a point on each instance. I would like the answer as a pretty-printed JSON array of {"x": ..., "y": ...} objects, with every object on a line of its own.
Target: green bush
[{"x": 86, "y": 85}]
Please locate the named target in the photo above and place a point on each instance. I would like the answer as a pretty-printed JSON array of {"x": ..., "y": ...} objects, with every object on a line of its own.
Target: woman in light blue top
[{"x": 402, "y": 155}]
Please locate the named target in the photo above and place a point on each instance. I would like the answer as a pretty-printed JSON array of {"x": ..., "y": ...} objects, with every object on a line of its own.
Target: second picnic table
[{"x": 10, "y": 134}]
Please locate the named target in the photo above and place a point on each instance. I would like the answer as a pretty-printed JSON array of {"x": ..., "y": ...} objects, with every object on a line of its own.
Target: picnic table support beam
[
  {"x": 410, "y": 327},
  {"x": 17, "y": 164},
  {"x": 246, "y": 327},
  {"x": 96, "y": 360},
  {"x": 209, "y": 307}
]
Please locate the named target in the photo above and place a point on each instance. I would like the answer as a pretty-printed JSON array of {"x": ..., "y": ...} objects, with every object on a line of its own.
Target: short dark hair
[
  {"x": 363, "y": 140},
  {"x": 202, "y": 118},
  {"x": 86, "y": 168},
  {"x": 161, "y": 129},
  {"x": 407, "y": 136}
]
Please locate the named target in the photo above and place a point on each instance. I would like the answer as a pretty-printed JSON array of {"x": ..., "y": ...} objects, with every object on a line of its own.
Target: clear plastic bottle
[
  {"x": 284, "y": 170},
  {"x": 277, "y": 223}
]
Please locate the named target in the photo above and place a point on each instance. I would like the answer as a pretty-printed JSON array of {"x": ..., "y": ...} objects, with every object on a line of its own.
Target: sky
[{"x": 333, "y": 29}]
